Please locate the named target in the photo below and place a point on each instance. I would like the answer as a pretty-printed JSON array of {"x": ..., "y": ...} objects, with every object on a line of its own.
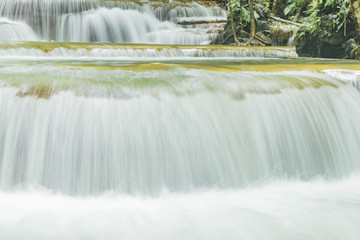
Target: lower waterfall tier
[{"x": 83, "y": 130}]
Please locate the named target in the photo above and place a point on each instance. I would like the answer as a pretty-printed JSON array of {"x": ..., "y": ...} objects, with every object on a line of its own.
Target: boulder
[
  {"x": 326, "y": 41},
  {"x": 349, "y": 46}
]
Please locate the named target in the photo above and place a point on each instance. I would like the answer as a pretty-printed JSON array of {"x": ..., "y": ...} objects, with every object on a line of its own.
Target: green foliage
[
  {"x": 343, "y": 10},
  {"x": 296, "y": 7},
  {"x": 307, "y": 12},
  {"x": 241, "y": 13},
  {"x": 312, "y": 10},
  {"x": 267, "y": 4}
]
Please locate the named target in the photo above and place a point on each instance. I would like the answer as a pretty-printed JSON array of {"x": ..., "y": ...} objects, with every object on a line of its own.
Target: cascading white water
[
  {"x": 143, "y": 132},
  {"x": 102, "y": 25},
  {"x": 147, "y": 142},
  {"x": 348, "y": 76},
  {"x": 18, "y": 31},
  {"x": 282, "y": 210},
  {"x": 90, "y": 153},
  {"x": 99, "y": 21},
  {"x": 66, "y": 50},
  {"x": 42, "y": 15},
  {"x": 196, "y": 11}
]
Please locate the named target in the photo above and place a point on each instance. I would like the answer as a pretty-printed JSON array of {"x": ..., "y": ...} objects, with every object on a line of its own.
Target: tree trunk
[
  {"x": 355, "y": 7},
  {"x": 274, "y": 8},
  {"x": 232, "y": 23},
  {"x": 241, "y": 19},
  {"x": 252, "y": 20}
]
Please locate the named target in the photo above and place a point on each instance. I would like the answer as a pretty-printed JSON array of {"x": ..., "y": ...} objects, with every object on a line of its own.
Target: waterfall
[
  {"x": 348, "y": 76},
  {"x": 114, "y": 22},
  {"x": 103, "y": 26},
  {"x": 109, "y": 132},
  {"x": 88, "y": 132},
  {"x": 11, "y": 30},
  {"x": 113, "y": 51},
  {"x": 89, "y": 150}
]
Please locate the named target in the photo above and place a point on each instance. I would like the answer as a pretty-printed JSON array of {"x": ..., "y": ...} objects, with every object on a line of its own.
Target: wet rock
[
  {"x": 355, "y": 53},
  {"x": 255, "y": 42},
  {"x": 265, "y": 13},
  {"x": 244, "y": 40},
  {"x": 226, "y": 37},
  {"x": 222, "y": 3},
  {"x": 327, "y": 41},
  {"x": 244, "y": 34},
  {"x": 264, "y": 39},
  {"x": 349, "y": 46},
  {"x": 262, "y": 25}
]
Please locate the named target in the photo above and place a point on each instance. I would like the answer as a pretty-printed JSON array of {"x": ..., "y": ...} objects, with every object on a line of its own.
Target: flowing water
[
  {"x": 138, "y": 141},
  {"x": 109, "y": 21}
]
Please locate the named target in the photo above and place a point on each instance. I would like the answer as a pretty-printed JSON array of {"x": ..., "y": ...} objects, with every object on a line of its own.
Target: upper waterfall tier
[
  {"x": 11, "y": 30},
  {"x": 110, "y": 21}
]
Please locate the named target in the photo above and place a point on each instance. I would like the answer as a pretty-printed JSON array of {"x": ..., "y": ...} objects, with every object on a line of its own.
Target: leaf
[
  {"x": 246, "y": 14},
  {"x": 290, "y": 9}
]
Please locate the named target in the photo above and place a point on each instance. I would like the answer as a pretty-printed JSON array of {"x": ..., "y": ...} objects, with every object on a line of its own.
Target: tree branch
[{"x": 286, "y": 21}]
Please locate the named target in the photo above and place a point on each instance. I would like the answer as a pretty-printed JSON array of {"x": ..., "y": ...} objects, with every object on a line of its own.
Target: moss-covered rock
[
  {"x": 326, "y": 40},
  {"x": 281, "y": 33}
]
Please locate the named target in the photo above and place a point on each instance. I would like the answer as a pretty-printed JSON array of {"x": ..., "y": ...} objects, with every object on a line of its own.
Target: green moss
[
  {"x": 50, "y": 46},
  {"x": 230, "y": 67}
]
